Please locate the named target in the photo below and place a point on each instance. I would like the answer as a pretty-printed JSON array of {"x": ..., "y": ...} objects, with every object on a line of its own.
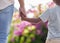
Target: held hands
[
  {"x": 31, "y": 20},
  {"x": 22, "y": 11},
  {"x": 22, "y": 16}
]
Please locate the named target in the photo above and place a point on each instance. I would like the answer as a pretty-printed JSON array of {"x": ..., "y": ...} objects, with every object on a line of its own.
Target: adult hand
[{"x": 22, "y": 12}]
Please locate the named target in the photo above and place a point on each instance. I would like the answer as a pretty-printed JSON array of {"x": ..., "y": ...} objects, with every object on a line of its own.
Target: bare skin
[
  {"x": 57, "y": 2},
  {"x": 22, "y": 7}
]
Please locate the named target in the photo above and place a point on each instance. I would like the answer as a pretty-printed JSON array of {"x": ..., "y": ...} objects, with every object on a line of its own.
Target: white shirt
[
  {"x": 5, "y": 3},
  {"x": 53, "y": 17}
]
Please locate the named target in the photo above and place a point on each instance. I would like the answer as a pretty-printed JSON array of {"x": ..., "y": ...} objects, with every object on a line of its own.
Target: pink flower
[
  {"x": 23, "y": 24},
  {"x": 38, "y": 31},
  {"x": 21, "y": 27},
  {"x": 17, "y": 32},
  {"x": 51, "y": 4}
]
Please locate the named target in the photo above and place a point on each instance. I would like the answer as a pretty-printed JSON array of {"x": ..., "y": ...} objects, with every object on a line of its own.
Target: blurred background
[{"x": 25, "y": 32}]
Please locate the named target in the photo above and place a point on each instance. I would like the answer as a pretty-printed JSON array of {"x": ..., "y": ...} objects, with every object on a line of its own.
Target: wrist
[{"x": 22, "y": 6}]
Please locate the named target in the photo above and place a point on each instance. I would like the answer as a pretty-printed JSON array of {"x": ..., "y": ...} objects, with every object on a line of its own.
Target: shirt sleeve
[{"x": 45, "y": 16}]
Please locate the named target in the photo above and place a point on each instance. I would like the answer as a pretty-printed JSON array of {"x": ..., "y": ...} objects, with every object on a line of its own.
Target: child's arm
[{"x": 32, "y": 20}]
